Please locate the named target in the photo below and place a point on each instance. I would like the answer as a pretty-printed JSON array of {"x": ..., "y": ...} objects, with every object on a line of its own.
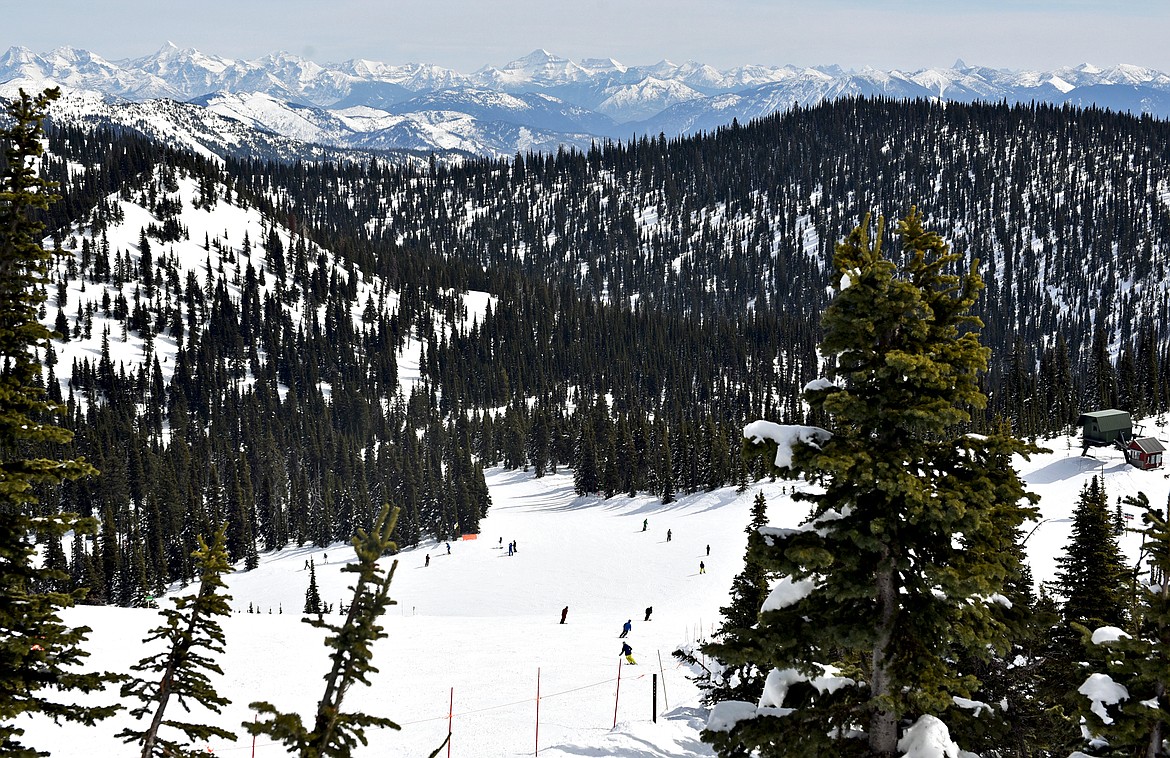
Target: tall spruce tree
[
  {"x": 193, "y": 636},
  {"x": 897, "y": 573},
  {"x": 334, "y": 733},
  {"x": 312, "y": 593},
  {"x": 740, "y": 678},
  {"x": 38, "y": 652},
  {"x": 1137, "y": 722},
  {"x": 1092, "y": 576}
]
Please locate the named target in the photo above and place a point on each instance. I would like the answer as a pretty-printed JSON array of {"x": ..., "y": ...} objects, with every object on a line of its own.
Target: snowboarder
[
  {"x": 428, "y": 559},
  {"x": 649, "y": 610},
  {"x": 668, "y": 535},
  {"x": 515, "y": 548},
  {"x": 702, "y": 568},
  {"x": 325, "y": 557},
  {"x": 645, "y": 523},
  {"x": 564, "y": 613},
  {"x": 708, "y": 551},
  {"x": 628, "y": 652},
  {"x": 448, "y": 548},
  {"x": 626, "y": 627},
  {"x": 501, "y": 543}
]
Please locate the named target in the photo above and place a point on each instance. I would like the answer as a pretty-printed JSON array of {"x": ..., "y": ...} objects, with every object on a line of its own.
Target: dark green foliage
[
  {"x": 910, "y": 544},
  {"x": 1138, "y": 725},
  {"x": 193, "y": 637},
  {"x": 38, "y": 653},
  {"x": 1093, "y": 578},
  {"x": 334, "y": 733},
  {"x": 740, "y": 678},
  {"x": 312, "y": 594}
]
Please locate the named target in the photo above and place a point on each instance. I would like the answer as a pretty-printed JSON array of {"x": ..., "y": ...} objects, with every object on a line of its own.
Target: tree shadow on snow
[{"x": 1070, "y": 468}]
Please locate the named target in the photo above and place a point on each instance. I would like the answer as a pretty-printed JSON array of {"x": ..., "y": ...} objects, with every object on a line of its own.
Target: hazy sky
[{"x": 467, "y": 34}]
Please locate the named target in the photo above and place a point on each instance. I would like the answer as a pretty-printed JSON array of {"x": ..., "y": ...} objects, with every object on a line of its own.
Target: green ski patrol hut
[{"x": 1107, "y": 427}]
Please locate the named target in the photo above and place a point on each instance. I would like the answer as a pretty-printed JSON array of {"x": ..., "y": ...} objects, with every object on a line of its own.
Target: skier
[
  {"x": 645, "y": 523},
  {"x": 510, "y": 550},
  {"x": 708, "y": 551},
  {"x": 649, "y": 610},
  {"x": 626, "y": 627},
  {"x": 428, "y": 559},
  {"x": 702, "y": 568},
  {"x": 628, "y": 652},
  {"x": 668, "y": 535},
  {"x": 501, "y": 543},
  {"x": 564, "y": 613},
  {"x": 448, "y": 548}
]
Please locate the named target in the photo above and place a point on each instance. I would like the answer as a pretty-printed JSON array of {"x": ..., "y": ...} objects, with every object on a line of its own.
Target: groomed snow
[{"x": 484, "y": 623}]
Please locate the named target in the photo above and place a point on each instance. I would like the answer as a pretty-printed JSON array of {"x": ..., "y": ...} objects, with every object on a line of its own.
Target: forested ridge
[
  {"x": 1068, "y": 211},
  {"x": 647, "y": 298}
]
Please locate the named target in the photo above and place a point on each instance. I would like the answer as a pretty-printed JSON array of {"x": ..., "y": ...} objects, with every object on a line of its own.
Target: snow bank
[{"x": 786, "y": 437}]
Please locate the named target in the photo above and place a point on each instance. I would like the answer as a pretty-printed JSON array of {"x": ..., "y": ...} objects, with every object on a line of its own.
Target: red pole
[
  {"x": 616, "y": 692},
  {"x": 450, "y": 717},
  {"x": 537, "y": 751}
]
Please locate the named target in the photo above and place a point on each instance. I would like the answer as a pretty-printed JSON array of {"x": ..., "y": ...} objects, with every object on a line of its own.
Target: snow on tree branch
[{"x": 786, "y": 437}]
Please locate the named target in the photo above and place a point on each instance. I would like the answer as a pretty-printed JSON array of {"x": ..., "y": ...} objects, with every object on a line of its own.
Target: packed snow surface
[{"x": 481, "y": 629}]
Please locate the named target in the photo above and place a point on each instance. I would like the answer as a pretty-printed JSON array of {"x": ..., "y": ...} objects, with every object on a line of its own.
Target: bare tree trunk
[
  {"x": 883, "y": 727},
  {"x": 177, "y": 657},
  {"x": 1154, "y": 748}
]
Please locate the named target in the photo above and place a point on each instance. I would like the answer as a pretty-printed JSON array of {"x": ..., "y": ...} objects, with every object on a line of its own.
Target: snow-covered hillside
[{"x": 483, "y": 625}]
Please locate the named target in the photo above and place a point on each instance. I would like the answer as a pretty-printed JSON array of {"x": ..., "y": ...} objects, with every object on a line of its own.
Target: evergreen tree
[
  {"x": 897, "y": 573},
  {"x": 741, "y": 679},
  {"x": 312, "y": 594},
  {"x": 1136, "y": 721},
  {"x": 334, "y": 733},
  {"x": 38, "y": 652},
  {"x": 1092, "y": 574},
  {"x": 193, "y": 635},
  {"x": 586, "y": 477}
]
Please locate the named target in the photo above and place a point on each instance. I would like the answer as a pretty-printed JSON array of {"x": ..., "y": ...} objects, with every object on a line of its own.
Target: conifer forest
[{"x": 645, "y": 300}]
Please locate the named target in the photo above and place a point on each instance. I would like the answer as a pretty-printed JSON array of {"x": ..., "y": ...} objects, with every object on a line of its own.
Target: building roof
[
  {"x": 1109, "y": 420},
  {"x": 1148, "y": 445}
]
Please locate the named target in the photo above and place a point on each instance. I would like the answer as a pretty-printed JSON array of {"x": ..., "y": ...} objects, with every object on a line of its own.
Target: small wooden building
[
  {"x": 1144, "y": 453},
  {"x": 1105, "y": 427}
]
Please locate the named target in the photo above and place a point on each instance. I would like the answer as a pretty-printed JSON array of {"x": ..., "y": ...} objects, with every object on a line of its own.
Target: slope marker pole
[
  {"x": 665, "y": 701},
  {"x": 537, "y": 750},
  {"x": 450, "y": 719},
  {"x": 617, "y": 692},
  {"x": 654, "y": 699}
]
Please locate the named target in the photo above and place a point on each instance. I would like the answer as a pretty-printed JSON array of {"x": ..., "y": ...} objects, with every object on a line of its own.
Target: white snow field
[{"x": 484, "y": 624}]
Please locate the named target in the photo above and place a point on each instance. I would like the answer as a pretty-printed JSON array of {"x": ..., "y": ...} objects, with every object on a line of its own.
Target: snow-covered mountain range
[{"x": 534, "y": 103}]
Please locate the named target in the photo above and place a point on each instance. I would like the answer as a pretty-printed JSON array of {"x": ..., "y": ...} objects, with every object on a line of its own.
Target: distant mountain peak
[{"x": 497, "y": 110}]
